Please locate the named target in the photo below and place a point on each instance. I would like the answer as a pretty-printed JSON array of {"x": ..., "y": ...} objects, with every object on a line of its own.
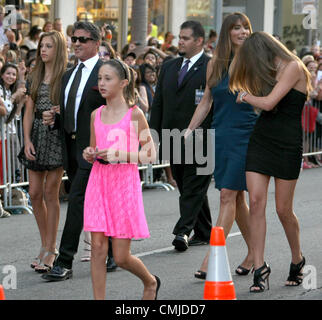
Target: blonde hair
[
  {"x": 60, "y": 64},
  {"x": 224, "y": 51},
  {"x": 254, "y": 67}
]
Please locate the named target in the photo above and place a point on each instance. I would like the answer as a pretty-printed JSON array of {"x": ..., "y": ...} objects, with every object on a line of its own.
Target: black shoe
[
  {"x": 58, "y": 273},
  {"x": 195, "y": 241},
  {"x": 158, "y": 287},
  {"x": 180, "y": 242},
  {"x": 110, "y": 265}
]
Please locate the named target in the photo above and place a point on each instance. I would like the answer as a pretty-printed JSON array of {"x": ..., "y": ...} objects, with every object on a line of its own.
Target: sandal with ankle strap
[
  {"x": 37, "y": 260},
  {"x": 44, "y": 268},
  {"x": 296, "y": 274},
  {"x": 261, "y": 275}
]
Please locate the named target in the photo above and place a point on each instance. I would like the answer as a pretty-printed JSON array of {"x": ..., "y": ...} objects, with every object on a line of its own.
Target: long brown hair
[
  {"x": 125, "y": 73},
  {"x": 224, "y": 51},
  {"x": 258, "y": 77},
  {"x": 60, "y": 64}
]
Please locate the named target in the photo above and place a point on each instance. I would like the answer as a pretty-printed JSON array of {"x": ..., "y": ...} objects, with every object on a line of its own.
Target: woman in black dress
[
  {"x": 272, "y": 79},
  {"x": 42, "y": 153}
]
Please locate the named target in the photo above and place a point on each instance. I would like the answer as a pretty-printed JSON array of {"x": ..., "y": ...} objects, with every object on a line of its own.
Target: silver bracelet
[{"x": 242, "y": 96}]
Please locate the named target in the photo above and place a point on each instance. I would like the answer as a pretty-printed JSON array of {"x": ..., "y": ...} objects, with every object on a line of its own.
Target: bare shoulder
[{"x": 137, "y": 114}]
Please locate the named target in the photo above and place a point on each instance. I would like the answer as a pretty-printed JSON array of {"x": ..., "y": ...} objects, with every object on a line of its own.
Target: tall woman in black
[{"x": 272, "y": 79}]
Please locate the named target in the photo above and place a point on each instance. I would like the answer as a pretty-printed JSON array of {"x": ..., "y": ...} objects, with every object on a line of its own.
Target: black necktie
[
  {"x": 69, "y": 117},
  {"x": 183, "y": 72}
]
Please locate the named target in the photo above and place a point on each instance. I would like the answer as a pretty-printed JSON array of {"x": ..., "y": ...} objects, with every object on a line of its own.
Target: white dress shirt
[
  {"x": 86, "y": 72},
  {"x": 193, "y": 60}
]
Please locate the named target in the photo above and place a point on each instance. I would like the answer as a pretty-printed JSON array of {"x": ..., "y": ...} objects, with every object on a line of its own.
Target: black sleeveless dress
[{"x": 275, "y": 146}]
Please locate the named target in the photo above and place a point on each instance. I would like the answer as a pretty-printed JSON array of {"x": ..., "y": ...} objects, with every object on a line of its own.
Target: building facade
[{"x": 282, "y": 17}]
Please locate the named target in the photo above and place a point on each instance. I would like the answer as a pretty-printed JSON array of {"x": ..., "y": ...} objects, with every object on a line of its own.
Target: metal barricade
[
  {"x": 13, "y": 175},
  {"x": 312, "y": 130},
  {"x": 148, "y": 177}
]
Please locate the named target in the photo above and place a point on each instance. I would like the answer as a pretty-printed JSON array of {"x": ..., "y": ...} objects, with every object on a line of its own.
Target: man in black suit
[
  {"x": 79, "y": 98},
  {"x": 180, "y": 83}
]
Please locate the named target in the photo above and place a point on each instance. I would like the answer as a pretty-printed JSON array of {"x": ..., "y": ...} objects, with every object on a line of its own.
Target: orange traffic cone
[
  {"x": 2, "y": 296},
  {"x": 219, "y": 284}
]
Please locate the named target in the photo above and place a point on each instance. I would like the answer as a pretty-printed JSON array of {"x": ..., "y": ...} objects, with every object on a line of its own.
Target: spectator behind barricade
[
  {"x": 30, "y": 65},
  {"x": 315, "y": 49},
  {"x": 167, "y": 41},
  {"x": 210, "y": 45},
  {"x": 154, "y": 42},
  {"x": 307, "y": 58},
  {"x": 150, "y": 57},
  {"x": 48, "y": 26},
  {"x": 69, "y": 34},
  {"x": 11, "y": 57},
  {"x": 2, "y": 62},
  {"x": 11, "y": 103},
  {"x": 130, "y": 59},
  {"x": 33, "y": 38},
  {"x": 15, "y": 25},
  {"x": 149, "y": 81},
  {"x": 58, "y": 26},
  {"x": 140, "y": 91},
  {"x": 106, "y": 51}
]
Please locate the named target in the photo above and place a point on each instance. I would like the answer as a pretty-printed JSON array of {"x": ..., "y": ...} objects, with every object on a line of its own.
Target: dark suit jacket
[
  {"x": 91, "y": 100},
  {"x": 173, "y": 107}
]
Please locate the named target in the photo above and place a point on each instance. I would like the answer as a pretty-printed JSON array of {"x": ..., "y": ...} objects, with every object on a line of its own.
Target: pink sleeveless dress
[{"x": 113, "y": 199}]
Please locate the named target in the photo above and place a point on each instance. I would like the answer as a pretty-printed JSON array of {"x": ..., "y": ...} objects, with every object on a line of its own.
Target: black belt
[{"x": 101, "y": 161}]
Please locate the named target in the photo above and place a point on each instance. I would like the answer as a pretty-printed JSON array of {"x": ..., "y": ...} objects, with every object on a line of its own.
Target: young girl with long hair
[
  {"x": 233, "y": 126},
  {"x": 271, "y": 78},
  {"x": 42, "y": 153},
  {"x": 113, "y": 201}
]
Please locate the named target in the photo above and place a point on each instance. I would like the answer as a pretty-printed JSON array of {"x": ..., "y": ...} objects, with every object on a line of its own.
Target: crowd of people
[{"x": 70, "y": 91}]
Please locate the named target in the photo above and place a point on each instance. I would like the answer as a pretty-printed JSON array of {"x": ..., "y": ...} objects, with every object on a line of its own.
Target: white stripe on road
[{"x": 149, "y": 253}]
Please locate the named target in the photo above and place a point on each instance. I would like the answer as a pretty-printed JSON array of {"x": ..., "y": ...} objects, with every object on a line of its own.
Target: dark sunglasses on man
[{"x": 80, "y": 39}]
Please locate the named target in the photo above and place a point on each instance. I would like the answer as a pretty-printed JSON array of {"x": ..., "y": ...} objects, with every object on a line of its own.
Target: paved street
[{"x": 20, "y": 243}]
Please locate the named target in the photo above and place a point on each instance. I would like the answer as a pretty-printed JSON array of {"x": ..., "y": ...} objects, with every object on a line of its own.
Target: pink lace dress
[{"x": 113, "y": 199}]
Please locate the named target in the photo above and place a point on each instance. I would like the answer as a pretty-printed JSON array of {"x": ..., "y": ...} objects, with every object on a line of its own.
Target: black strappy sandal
[
  {"x": 201, "y": 275},
  {"x": 241, "y": 271},
  {"x": 296, "y": 274},
  {"x": 261, "y": 275}
]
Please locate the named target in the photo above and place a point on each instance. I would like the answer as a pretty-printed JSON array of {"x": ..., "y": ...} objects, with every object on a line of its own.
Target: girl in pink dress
[{"x": 113, "y": 201}]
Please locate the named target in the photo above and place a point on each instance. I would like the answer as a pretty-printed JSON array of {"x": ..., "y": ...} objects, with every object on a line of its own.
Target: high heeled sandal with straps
[
  {"x": 296, "y": 274},
  {"x": 43, "y": 267},
  {"x": 261, "y": 275},
  {"x": 38, "y": 259},
  {"x": 241, "y": 271}
]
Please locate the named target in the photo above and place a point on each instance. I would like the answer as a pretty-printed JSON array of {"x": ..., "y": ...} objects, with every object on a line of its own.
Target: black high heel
[
  {"x": 201, "y": 275},
  {"x": 241, "y": 271},
  {"x": 296, "y": 274},
  {"x": 261, "y": 275}
]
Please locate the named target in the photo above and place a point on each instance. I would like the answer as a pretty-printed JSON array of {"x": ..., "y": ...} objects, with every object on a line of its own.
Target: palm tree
[{"x": 139, "y": 23}]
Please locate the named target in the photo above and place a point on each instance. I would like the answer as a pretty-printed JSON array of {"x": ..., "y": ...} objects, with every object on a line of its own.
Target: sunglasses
[{"x": 80, "y": 39}]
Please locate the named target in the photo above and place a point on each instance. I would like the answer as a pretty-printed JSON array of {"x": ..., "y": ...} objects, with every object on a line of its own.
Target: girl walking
[
  {"x": 113, "y": 200},
  {"x": 42, "y": 153}
]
